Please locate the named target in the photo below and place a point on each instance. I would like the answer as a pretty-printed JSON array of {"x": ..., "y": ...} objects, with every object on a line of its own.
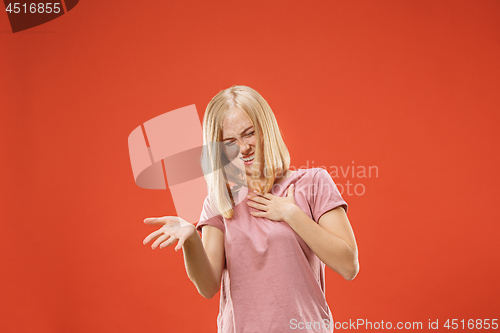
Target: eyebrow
[{"x": 244, "y": 131}]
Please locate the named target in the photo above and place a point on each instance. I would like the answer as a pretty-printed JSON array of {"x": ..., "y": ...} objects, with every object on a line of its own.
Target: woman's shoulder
[
  {"x": 310, "y": 173},
  {"x": 302, "y": 177}
]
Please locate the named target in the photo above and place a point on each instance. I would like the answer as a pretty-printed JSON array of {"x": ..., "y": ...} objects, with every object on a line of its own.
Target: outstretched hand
[
  {"x": 273, "y": 207},
  {"x": 173, "y": 228}
]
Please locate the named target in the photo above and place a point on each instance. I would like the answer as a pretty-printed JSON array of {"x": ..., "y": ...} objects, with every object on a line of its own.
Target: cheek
[
  {"x": 231, "y": 151},
  {"x": 252, "y": 141}
]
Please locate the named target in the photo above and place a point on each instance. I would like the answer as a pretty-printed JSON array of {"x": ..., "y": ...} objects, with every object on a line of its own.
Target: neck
[{"x": 261, "y": 182}]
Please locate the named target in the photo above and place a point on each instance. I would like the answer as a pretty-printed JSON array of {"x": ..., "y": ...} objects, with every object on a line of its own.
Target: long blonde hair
[{"x": 271, "y": 152}]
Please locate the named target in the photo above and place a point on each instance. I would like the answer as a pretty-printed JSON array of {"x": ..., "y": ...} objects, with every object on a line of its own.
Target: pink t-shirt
[{"x": 272, "y": 281}]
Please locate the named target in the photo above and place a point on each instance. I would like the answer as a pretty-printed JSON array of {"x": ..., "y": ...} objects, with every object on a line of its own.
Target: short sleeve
[
  {"x": 208, "y": 217},
  {"x": 325, "y": 195}
]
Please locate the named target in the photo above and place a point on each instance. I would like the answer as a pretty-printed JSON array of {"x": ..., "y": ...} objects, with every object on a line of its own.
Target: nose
[{"x": 244, "y": 148}]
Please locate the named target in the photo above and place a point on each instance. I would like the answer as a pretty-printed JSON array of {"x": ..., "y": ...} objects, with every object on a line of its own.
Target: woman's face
[{"x": 238, "y": 136}]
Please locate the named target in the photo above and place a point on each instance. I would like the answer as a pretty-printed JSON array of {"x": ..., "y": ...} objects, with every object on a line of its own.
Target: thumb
[
  {"x": 180, "y": 243},
  {"x": 291, "y": 189}
]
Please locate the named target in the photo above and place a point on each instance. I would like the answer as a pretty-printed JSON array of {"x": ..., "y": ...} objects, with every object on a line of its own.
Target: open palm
[{"x": 173, "y": 228}]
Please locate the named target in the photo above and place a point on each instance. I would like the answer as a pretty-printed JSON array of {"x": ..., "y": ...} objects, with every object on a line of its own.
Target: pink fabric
[{"x": 272, "y": 281}]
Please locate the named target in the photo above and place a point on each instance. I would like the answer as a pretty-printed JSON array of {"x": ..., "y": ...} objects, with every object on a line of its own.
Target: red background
[{"x": 411, "y": 87}]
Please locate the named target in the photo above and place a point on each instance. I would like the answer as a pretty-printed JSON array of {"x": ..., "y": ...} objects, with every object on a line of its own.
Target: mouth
[{"x": 248, "y": 159}]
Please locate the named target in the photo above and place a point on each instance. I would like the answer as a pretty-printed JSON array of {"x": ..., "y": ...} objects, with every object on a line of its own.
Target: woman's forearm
[
  {"x": 198, "y": 267},
  {"x": 335, "y": 252}
]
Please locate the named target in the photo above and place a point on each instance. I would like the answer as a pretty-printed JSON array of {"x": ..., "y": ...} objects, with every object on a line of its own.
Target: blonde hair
[{"x": 271, "y": 152}]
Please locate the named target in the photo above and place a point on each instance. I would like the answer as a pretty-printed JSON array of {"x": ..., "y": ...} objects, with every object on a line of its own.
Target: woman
[{"x": 263, "y": 245}]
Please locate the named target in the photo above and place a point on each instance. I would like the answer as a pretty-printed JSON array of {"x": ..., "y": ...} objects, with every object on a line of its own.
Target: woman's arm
[
  {"x": 204, "y": 260},
  {"x": 331, "y": 239}
]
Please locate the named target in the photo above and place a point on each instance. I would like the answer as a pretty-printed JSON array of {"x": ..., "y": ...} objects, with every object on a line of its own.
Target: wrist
[
  {"x": 290, "y": 212},
  {"x": 194, "y": 237}
]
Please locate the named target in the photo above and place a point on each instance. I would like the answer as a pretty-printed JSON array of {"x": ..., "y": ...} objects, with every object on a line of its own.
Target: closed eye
[{"x": 230, "y": 143}]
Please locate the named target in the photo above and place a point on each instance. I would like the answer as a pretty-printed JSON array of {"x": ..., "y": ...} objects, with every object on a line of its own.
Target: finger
[
  {"x": 155, "y": 220},
  {"x": 168, "y": 242},
  {"x": 152, "y": 236},
  {"x": 257, "y": 206},
  {"x": 258, "y": 214},
  {"x": 180, "y": 243},
  {"x": 258, "y": 199},
  {"x": 159, "y": 240},
  {"x": 291, "y": 190},
  {"x": 266, "y": 196}
]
